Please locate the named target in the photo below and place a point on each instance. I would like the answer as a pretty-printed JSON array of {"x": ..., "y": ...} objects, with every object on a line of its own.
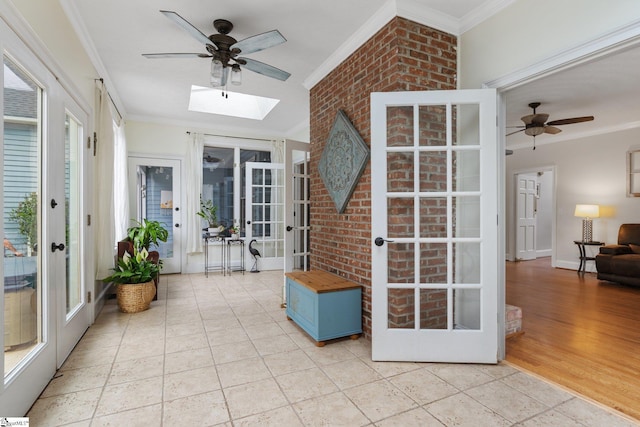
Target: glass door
[
  {"x": 434, "y": 226},
  {"x": 265, "y": 215},
  {"x": 155, "y": 184}
]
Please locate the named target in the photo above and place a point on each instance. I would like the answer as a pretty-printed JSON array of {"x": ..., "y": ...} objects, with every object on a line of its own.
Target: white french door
[
  {"x": 154, "y": 184},
  {"x": 264, "y": 186},
  {"x": 297, "y": 187},
  {"x": 434, "y": 226},
  {"x": 526, "y": 215},
  {"x": 45, "y": 304}
]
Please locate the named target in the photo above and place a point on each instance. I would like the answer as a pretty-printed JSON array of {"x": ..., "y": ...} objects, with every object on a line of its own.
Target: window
[
  {"x": 633, "y": 168},
  {"x": 222, "y": 168}
]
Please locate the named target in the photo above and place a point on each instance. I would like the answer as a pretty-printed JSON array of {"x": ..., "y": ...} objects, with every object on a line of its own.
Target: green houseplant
[
  {"x": 146, "y": 233},
  {"x": 209, "y": 212},
  {"x": 134, "y": 278}
]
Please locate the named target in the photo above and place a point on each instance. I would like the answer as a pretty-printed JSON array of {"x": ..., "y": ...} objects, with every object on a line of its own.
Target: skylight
[{"x": 209, "y": 100}]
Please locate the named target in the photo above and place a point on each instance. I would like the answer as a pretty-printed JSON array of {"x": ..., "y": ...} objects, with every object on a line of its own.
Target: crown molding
[{"x": 482, "y": 13}]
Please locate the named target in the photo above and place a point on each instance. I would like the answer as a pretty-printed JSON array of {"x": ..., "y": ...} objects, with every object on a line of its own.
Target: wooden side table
[{"x": 583, "y": 253}]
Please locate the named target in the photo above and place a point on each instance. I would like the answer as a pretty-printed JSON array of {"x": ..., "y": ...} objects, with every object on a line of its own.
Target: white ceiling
[{"x": 320, "y": 34}]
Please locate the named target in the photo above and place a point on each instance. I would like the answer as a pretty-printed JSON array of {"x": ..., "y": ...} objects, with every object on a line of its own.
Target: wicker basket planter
[{"x": 134, "y": 298}]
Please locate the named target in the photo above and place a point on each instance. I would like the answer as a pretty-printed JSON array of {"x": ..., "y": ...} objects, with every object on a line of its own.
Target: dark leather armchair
[{"x": 621, "y": 263}]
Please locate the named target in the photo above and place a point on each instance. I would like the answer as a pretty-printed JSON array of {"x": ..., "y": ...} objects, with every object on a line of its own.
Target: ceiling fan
[
  {"x": 224, "y": 50},
  {"x": 536, "y": 124}
]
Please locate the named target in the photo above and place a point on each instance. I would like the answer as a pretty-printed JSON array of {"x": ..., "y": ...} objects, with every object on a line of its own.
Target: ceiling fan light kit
[
  {"x": 224, "y": 50},
  {"x": 536, "y": 124}
]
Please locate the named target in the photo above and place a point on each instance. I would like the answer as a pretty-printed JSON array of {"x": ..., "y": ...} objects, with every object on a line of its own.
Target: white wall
[
  {"x": 590, "y": 170},
  {"x": 545, "y": 214},
  {"x": 529, "y": 31}
]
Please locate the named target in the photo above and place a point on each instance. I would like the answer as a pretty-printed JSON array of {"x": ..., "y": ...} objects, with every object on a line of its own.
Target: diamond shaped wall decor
[{"x": 343, "y": 160}]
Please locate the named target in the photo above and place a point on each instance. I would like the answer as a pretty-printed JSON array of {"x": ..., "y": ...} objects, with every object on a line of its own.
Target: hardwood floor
[{"x": 579, "y": 332}]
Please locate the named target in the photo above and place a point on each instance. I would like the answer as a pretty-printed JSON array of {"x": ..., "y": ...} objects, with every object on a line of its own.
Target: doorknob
[
  {"x": 59, "y": 247},
  {"x": 248, "y": 222},
  {"x": 379, "y": 241},
  {"x": 289, "y": 228},
  {"x": 177, "y": 225},
  {"x": 53, "y": 203}
]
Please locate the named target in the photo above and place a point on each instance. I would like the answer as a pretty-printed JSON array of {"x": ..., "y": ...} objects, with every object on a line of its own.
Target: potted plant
[
  {"x": 235, "y": 231},
  {"x": 209, "y": 212},
  {"x": 134, "y": 278},
  {"x": 146, "y": 233}
]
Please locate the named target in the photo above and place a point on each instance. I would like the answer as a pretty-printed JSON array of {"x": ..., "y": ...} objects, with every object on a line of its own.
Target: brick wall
[{"x": 402, "y": 56}]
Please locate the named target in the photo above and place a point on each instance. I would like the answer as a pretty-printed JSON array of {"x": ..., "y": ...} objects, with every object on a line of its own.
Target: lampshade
[
  {"x": 587, "y": 211},
  {"x": 216, "y": 73},
  {"x": 236, "y": 75}
]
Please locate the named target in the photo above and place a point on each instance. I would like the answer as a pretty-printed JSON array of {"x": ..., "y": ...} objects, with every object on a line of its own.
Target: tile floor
[{"x": 219, "y": 351}]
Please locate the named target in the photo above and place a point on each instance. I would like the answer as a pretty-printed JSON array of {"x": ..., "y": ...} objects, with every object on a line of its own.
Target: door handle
[
  {"x": 289, "y": 228},
  {"x": 59, "y": 247},
  {"x": 379, "y": 241},
  {"x": 177, "y": 225},
  {"x": 248, "y": 222},
  {"x": 53, "y": 203}
]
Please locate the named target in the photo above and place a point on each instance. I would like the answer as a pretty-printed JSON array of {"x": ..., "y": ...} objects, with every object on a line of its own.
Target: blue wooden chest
[{"x": 324, "y": 305}]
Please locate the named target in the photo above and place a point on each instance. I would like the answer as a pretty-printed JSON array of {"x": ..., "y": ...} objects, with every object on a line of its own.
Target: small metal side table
[
  {"x": 208, "y": 238},
  {"x": 229, "y": 242},
  {"x": 583, "y": 253}
]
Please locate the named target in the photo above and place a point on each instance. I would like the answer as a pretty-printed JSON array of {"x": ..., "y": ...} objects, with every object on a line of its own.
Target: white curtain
[
  {"x": 277, "y": 152},
  {"x": 193, "y": 186},
  {"x": 104, "y": 212},
  {"x": 120, "y": 182}
]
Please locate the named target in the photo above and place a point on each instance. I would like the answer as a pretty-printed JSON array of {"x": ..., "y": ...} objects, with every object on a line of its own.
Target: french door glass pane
[
  {"x": 157, "y": 202},
  {"x": 73, "y": 139},
  {"x": 21, "y": 190}
]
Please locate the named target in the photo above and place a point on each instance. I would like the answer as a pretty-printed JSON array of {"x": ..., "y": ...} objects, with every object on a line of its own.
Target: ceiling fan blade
[
  {"x": 264, "y": 69},
  {"x": 259, "y": 42},
  {"x": 552, "y": 130},
  {"x": 570, "y": 121},
  {"x": 535, "y": 118},
  {"x": 521, "y": 130},
  {"x": 195, "y": 33},
  {"x": 175, "y": 55}
]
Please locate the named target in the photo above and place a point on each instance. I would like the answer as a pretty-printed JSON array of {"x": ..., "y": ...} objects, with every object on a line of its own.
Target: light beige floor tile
[
  {"x": 500, "y": 370},
  {"x": 330, "y": 410},
  {"x": 188, "y": 383},
  {"x": 233, "y": 352},
  {"x": 65, "y": 408},
  {"x": 423, "y": 386},
  {"x": 284, "y": 363},
  {"x": 506, "y": 401},
  {"x": 140, "y": 417},
  {"x": 136, "y": 369},
  {"x": 379, "y": 400},
  {"x": 280, "y": 417},
  {"x": 263, "y": 330},
  {"x": 223, "y": 322},
  {"x": 542, "y": 391},
  {"x": 85, "y": 359},
  {"x": 184, "y": 329},
  {"x": 99, "y": 341},
  {"x": 302, "y": 385},
  {"x": 360, "y": 347},
  {"x": 391, "y": 369},
  {"x": 242, "y": 371},
  {"x": 550, "y": 419},
  {"x": 351, "y": 373},
  {"x": 254, "y": 398},
  {"x": 186, "y": 342},
  {"x": 131, "y": 395},
  {"x": 329, "y": 354},
  {"x": 591, "y": 415},
  {"x": 414, "y": 418},
  {"x": 73, "y": 380},
  {"x": 205, "y": 409},
  {"x": 187, "y": 360},
  {"x": 273, "y": 345},
  {"x": 144, "y": 347},
  {"x": 462, "y": 410},
  {"x": 460, "y": 375},
  {"x": 227, "y": 336}
]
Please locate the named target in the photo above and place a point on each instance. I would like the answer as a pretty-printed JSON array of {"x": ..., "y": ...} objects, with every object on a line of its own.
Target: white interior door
[
  {"x": 154, "y": 190},
  {"x": 526, "y": 215},
  {"x": 297, "y": 187},
  {"x": 265, "y": 214},
  {"x": 434, "y": 226}
]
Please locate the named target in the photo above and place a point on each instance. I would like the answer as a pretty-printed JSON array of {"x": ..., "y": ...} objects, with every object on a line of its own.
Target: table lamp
[{"x": 587, "y": 212}]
